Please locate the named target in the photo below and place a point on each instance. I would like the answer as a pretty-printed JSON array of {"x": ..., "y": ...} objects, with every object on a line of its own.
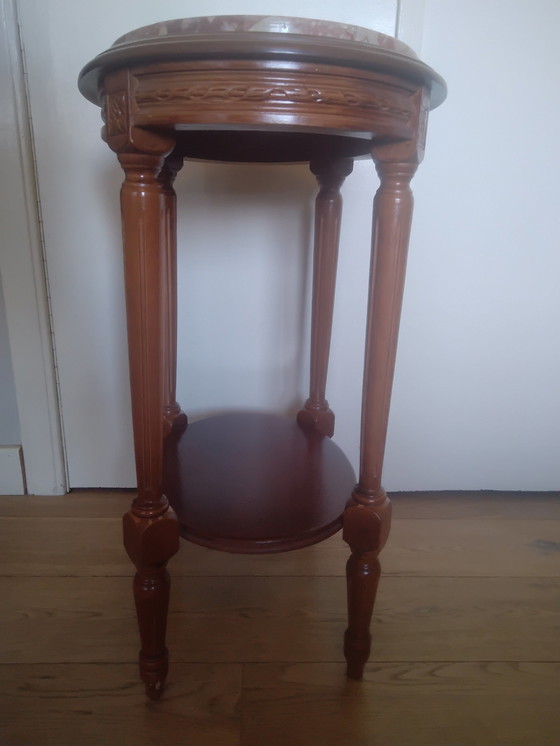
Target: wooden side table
[{"x": 258, "y": 89}]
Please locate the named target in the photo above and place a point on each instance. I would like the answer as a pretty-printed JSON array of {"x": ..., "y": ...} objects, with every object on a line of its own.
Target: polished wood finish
[
  {"x": 513, "y": 533},
  {"x": 173, "y": 417},
  {"x": 294, "y": 51},
  {"x": 144, "y": 226},
  {"x": 367, "y": 518},
  {"x": 467, "y": 646},
  {"x": 258, "y": 483},
  {"x": 328, "y": 214},
  {"x": 150, "y": 528},
  {"x": 150, "y": 544}
]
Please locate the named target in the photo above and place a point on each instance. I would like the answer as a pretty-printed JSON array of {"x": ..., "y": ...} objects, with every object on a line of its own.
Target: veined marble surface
[{"x": 269, "y": 24}]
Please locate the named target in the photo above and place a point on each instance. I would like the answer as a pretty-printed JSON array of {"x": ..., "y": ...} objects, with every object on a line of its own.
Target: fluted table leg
[
  {"x": 328, "y": 211},
  {"x": 151, "y": 534},
  {"x": 174, "y": 419},
  {"x": 368, "y": 514}
]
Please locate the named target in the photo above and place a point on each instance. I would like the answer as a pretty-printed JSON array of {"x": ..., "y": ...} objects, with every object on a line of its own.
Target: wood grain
[
  {"x": 257, "y": 659},
  {"x": 256, "y": 483},
  {"x": 104, "y": 704},
  {"x": 291, "y": 619},
  {"x": 402, "y": 703},
  {"x": 428, "y": 547},
  {"x": 76, "y": 504},
  {"x": 456, "y": 505},
  {"x": 480, "y": 504}
]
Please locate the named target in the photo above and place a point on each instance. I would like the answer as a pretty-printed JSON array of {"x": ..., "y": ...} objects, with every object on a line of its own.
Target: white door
[{"x": 31, "y": 390}]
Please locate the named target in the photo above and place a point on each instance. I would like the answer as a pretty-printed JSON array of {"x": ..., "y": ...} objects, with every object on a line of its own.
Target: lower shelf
[{"x": 256, "y": 483}]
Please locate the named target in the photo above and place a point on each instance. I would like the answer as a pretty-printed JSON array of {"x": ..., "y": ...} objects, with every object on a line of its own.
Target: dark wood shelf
[
  {"x": 270, "y": 146},
  {"x": 256, "y": 483}
]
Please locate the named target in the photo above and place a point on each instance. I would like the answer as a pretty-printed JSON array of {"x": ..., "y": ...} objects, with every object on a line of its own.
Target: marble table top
[{"x": 268, "y": 24}]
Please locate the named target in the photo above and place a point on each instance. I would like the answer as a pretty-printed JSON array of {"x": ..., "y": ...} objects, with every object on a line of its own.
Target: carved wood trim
[
  {"x": 366, "y": 102},
  {"x": 290, "y": 94},
  {"x": 116, "y": 108},
  {"x": 118, "y": 113}
]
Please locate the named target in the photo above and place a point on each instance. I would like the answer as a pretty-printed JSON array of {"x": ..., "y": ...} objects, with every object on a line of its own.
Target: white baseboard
[{"x": 12, "y": 479}]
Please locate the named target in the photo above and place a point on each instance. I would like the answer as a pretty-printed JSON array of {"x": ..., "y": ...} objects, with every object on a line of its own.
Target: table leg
[
  {"x": 151, "y": 533},
  {"x": 174, "y": 419},
  {"x": 368, "y": 514},
  {"x": 330, "y": 175}
]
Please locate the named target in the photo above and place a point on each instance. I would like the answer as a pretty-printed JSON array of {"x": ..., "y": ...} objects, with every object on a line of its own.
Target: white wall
[
  {"x": 474, "y": 404},
  {"x": 476, "y": 398}
]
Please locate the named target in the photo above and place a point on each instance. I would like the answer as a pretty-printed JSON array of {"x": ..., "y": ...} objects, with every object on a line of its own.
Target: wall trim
[
  {"x": 22, "y": 271},
  {"x": 12, "y": 475},
  {"x": 410, "y": 23}
]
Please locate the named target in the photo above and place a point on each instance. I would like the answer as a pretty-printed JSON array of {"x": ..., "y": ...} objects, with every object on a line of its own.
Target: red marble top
[{"x": 269, "y": 24}]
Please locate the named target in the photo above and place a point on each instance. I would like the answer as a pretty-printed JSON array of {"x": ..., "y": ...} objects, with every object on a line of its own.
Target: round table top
[
  {"x": 269, "y": 24},
  {"x": 261, "y": 37}
]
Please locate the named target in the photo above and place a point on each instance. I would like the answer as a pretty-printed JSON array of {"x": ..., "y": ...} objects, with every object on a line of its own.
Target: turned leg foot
[
  {"x": 150, "y": 543},
  {"x": 151, "y": 596},
  {"x": 367, "y": 522},
  {"x": 154, "y": 673},
  {"x": 362, "y": 575}
]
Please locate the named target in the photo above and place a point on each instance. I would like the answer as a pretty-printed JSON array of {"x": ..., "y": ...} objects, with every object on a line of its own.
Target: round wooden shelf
[
  {"x": 269, "y": 147},
  {"x": 256, "y": 483}
]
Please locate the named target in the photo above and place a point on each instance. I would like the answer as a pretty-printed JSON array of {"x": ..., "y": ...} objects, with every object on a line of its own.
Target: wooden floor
[{"x": 466, "y": 632}]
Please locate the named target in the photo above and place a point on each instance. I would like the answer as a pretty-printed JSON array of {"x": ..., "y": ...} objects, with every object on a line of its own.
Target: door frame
[{"x": 24, "y": 277}]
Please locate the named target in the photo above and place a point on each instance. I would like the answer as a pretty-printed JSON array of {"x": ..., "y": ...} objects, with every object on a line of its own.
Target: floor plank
[
  {"x": 430, "y": 547},
  {"x": 472, "y": 547},
  {"x": 402, "y": 704},
  {"x": 466, "y": 643},
  {"x": 105, "y": 704},
  {"x": 487, "y": 504},
  {"x": 252, "y": 619},
  {"x": 418, "y": 505},
  {"x": 76, "y": 504}
]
